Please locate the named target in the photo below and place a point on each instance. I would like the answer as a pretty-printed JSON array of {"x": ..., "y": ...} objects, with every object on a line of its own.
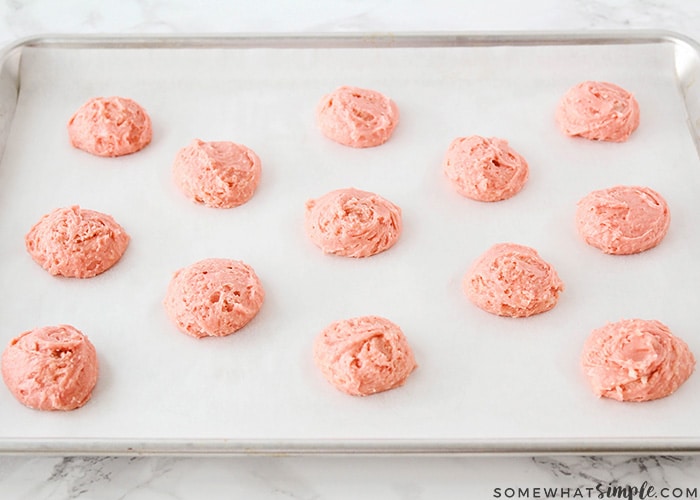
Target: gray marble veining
[
  {"x": 604, "y": 470},
  {"x": 335, "y": 477}
]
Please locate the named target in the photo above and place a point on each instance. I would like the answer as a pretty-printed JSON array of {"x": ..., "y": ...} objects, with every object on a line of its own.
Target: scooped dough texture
[
  {"x": 623, "y": 220},
  {"x": 636, "y": 360},
  {"x": 356, "y": 117},
  {"x": 485, "y": 169},
  {"x": 76, "y": 242},
  {"x": 213, "y": 297},
  {"x": 512, "y": 280},
  {"x": 363, "y": 356},
  {"x": 110, "y": 126},
  {"x": 598, "y": 111},
  {"x": 352, "y": 223},
  {"x": 51, "y": 368},
  {"x": 217, "y": 174}
]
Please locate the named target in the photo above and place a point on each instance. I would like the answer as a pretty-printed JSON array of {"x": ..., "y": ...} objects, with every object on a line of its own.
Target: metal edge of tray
[
  {"x": 374, "y": 447},
  {"x": 353, "y": 40},
  {"x": 687, "y": 62}
]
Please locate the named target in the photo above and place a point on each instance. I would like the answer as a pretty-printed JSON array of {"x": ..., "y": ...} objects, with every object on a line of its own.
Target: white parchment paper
[{"x": 480, "y": 377}]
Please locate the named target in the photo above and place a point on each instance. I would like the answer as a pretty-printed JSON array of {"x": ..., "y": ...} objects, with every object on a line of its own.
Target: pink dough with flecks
[
  {"x": 599, "y": 111},
  {"x": 213, "y": 297},
  {"x": 110, "y": 126},
  {"x": 363, "y": 356},
  {"x": 485, "y": 169},
  {"x": 512, "y": 280},
  {"x": 636, "y": 360},
  {"x": 357, "y": 117},
  {"x": 623, "y": 220},
  {"x": 218, "y": 174},
  {"x": 51, "y": 368},
  {"x": 352, "y": 223},
  {"x": 76, "y": 242}
]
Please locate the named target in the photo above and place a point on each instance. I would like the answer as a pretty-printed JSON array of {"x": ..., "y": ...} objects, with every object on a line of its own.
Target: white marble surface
[{"x": 27, "y": 477}]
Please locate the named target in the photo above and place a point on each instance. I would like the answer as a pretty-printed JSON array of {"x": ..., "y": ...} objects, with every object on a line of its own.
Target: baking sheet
[{"x": 483, "y": 382}]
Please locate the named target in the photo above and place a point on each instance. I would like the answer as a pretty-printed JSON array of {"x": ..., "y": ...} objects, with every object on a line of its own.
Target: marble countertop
[{"x": 37, "y": 477}]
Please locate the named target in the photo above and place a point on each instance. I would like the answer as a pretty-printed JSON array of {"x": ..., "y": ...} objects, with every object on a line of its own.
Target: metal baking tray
[{"x": 484, "y": 384}]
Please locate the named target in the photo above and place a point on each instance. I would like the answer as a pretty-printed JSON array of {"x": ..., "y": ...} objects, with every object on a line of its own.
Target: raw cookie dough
[
  {"x": 217, "y": 174},
  {"x": 110, "y": 126},
  {"x": 363, "y": 356},
  {"x": 598, "y": 111},
  {"x": 352, "y": 223},
  {"x": 213, "y": 297},
  {"x": 50, "y": 368},
  {"x": 623, "y": 220},
  {"x": 485, "y": 169},
  {"x": 360, "y": 118},
  {"x": 636, "y": 360},
  {"x": 76, "y": 242},
  {"x": 512, "y": 280}
]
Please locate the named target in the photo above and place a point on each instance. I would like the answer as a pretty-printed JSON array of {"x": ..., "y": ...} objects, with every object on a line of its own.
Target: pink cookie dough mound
[
  {"x": 636, "y": 360},
  {"x": 50, "y": 368},
  {"x": 76, "y": 242},
  {"x": 598, "y": 111},
  {"x": 110, "y": 126},
  {"x": 213, "y": 297},
  {"x": 352, "y": 223},
  {"x": 485, "y": 169},
  {"x": 363, "y": 356},
  {"x": 512, "y": 280},
  {"x": 623, "y": 220},
  {"x": 356, "y": 117},
  {"x": 217, "y": 174}
]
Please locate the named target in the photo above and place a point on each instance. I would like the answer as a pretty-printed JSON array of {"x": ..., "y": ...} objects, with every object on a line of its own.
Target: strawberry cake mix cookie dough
[
  {"x": 217, "y": 174},
  {"x": 110, "y": 126},
  {"x": 363, "y": 356},
  {"x": 50, "y": 368},
  {"x": 213, "y": 297},
  {"x": 636, "y": 360},
  {"x": 485, "y": 169},
  {"x": 352, "y": 223},
  {"x": 512, "y": 280},
  {"x": 623, "y": 220},
  {"x": 598, "y": 111},
  {"x": 76, "y": 242},
  {"x": 355, "y": 117}
]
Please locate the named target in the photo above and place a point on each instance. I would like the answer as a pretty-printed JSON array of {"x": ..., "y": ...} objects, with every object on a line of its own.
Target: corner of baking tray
[
  {"x": 10, "y": 56},
  {"x": 677, "y": 38},
  {"x": 17, "y": 45},
  {"x": 687, "y": 64}
]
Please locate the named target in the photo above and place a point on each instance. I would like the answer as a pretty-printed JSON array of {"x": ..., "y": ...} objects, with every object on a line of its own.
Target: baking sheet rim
[
  {"x": 377, "y": 447},
  {"x": 98, "y": 446}
]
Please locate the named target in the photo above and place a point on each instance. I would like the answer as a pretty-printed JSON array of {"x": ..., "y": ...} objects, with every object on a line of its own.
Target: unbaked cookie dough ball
[
  {"x": 50, "y": 368},
  {"x": 218, "y": 174},
  {"x": 356, "y": 117},
  {"x": 623, "y": 220},
  {"x": 76, "y": 242},
  {"x": 485, "y": 169},
  {"x": 598, "y": 111},
  {"x": 352, "y": 223},
  {"x": 636, "y": 360},
  {"x": 363, "y": 356},
  {"x": 512, "y": 280},
  {"x": 214, "y": 297},
  {"x": 110, "y": 126}
]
